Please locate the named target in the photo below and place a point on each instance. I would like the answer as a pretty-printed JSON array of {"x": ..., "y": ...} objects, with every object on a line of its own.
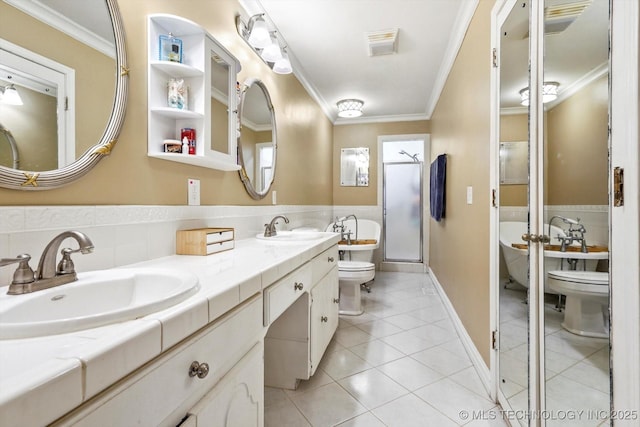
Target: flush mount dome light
[
  {"x": 549, "y": 93},
  {"x": 349, "y": 108}
]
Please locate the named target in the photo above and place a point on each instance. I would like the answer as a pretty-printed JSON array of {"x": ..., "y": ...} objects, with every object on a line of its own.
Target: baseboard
[
  {"x": 403, "y": 267},
  {"x": 478, "y": 362}
]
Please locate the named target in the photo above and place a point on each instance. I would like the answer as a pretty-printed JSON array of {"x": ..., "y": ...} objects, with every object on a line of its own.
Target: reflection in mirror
[
  {"x": 68, "y": 65},
  {"x": 219, "y": 104},
  {"x": 576, "y": 351},
  {"x": 9, "y": 155},
  {"x": 514, "y": 162},
  {"x": 513, "y": 289},
  {"x": 257, "y": 139},
  {"x": 354, "y": 167}
]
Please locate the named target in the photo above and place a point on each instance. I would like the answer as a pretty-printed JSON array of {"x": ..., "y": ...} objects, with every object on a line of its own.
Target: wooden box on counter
[{"x": 204, "y": 241}]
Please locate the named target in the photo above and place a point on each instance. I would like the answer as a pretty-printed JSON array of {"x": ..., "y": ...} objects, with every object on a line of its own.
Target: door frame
[
  {"x": 624, "y": 221},
  {"x": 425, "y": 188}
]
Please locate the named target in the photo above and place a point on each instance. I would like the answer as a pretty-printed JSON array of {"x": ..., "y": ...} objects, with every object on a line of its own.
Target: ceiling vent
[
  {"x": 383, "y": 42},
  {"x": 557, "y": 18}
]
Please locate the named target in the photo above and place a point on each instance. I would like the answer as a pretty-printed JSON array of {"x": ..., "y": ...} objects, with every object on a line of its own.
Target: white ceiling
[{"x": 327, "y": 43}]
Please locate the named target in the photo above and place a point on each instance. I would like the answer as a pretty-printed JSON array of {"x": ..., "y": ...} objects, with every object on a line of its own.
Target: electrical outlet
[
  {"x": 274, "y": 198},
  {"x": 193, "y": 192},
  {"x": 469, "y": 195}
]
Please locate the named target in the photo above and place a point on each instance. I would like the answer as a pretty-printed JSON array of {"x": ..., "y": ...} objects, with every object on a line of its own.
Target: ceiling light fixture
[
  {"x": 549, "y": 93},
  {"x": 272, "y": 53},
  {"x": 350, "y": 108},
  {"x": 259, "y": 36},
  {"x": 11, "y": 96},
  {"x": 265, "y": 43},
  {"x": 283, "y": 65}
]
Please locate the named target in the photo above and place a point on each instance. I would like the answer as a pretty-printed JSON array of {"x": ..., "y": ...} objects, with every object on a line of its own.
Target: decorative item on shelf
[
  {"x": 178, "y": 94},
  {"x": 204, "y": 241},
  {"x": 170, "y": 48},
  {"x": 350, "y": 108},
  {"x": 190, "y": 134},
  {"x": 171, "y": 146},
  {"x": 266, "y": 43}
]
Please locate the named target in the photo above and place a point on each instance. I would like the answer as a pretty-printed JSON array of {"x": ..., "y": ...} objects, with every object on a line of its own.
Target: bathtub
[{"x": 517, "y": 260}]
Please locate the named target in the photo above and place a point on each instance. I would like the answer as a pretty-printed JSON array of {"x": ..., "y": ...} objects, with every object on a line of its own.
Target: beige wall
[
  {"x": 366, "y": 135},
  {"x": 128, "y": 176},
  {"x": 577, "y": 147},
  {"x": 459, "y": 244}
]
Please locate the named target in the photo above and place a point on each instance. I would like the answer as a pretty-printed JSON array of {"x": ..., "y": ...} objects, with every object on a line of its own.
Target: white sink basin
[
  {"x": 293, "y": 236},
  {"x": 97, "y": 298}
]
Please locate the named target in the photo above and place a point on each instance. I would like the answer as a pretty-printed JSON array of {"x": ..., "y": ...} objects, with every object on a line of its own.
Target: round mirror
[
  {"x": 63, "y": 86},
  {"x": 256, "y": 139}
]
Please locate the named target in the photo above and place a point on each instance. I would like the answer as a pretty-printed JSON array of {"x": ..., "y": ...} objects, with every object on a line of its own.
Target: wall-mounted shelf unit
[{"x": 203, "y": 61}]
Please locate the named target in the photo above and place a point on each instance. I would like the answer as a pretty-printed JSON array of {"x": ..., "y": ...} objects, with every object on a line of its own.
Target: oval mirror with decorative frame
[
  {"x": 64, "y": 111},
  {"x": 257, "y": 139}
]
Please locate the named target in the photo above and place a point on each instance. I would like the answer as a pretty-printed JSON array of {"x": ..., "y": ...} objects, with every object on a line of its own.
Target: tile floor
[
  {"x": 577, "y": 367},
  {"x": 401, "y": 363}
]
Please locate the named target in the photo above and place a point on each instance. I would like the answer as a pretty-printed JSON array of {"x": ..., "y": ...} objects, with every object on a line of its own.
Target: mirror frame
[
  {"x": 248, "y": 185},
  {"x": 44, "y": 180}
]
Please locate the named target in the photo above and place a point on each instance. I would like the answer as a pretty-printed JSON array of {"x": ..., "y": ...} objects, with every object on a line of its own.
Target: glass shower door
[{"x": 402, "y": 192}]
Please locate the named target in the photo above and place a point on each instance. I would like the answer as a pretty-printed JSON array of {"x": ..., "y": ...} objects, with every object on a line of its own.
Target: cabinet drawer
[
  {"x": 279, "y": 296},
  {"x": 204, "y": 241},
  {"x": 161, "y": 392},
  {"x": 324, "y": 262}
]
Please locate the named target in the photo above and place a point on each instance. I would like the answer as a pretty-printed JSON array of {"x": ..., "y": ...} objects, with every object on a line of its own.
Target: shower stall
[{"x": 402, "y": 191}]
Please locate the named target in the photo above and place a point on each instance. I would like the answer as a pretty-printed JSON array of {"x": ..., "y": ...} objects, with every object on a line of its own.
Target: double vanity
[{"x": 260, "y": 314}]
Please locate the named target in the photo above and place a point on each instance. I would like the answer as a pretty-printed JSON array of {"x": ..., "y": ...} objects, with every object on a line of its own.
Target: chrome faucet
[
  {"x": 47, "y": 275},
  {"x": 270, "y": 229},
  {"x": 575, "y": 233},
  {"x": 341, "y": 228}
]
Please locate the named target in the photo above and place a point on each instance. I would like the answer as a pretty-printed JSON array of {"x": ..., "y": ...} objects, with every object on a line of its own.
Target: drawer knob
[
  {"x": 330, "y": 259},
  {"x": 198, "y": 369},
  {"x": 298, "y": 286},
  {"x": 324, "y": 319}
]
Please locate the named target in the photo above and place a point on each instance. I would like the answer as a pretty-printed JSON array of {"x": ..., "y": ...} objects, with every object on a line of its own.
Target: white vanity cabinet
[
  {"x": 216, "y": 371},
  {"x": 298, "y": 336},
  {"x": 237, "y": 400},
  {"x": 209, "y": 72}
]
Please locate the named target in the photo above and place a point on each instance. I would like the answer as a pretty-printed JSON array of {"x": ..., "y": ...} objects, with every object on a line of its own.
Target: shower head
[{"x": 414, "y": 157}]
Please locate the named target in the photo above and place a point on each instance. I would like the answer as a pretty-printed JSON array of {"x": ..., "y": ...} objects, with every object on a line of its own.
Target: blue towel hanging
[{"x": 437, "y": 185}]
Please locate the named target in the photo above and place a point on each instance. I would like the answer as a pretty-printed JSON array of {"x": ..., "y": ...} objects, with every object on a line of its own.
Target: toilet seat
[
  {"x": 586, "y": 282},
  {"x": 355, "y": 266}
]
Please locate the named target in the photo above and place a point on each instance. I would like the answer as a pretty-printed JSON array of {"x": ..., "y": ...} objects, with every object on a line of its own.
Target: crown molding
[
  {"x": 60, "y": 22},
  {"x": 463, "y": 20}
]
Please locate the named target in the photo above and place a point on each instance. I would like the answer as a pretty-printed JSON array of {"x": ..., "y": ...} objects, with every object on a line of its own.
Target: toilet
[
  {"x": 351, "y": 275},
  {"x": 587, "y": 305},
  {"x": 355, "y": 267}
]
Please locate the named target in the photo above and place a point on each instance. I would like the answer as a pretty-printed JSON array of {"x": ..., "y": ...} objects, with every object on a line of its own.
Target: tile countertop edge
[{"x": 226, "y": 280}]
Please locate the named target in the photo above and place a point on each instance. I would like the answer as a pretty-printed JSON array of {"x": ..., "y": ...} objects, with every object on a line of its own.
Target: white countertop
[{"x": 52, "y": 375}]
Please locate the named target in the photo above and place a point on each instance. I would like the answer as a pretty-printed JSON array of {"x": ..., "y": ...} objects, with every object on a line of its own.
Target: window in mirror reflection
[
  {"x": 219, "y": 104},
  {"x": 354, "y": 167}
]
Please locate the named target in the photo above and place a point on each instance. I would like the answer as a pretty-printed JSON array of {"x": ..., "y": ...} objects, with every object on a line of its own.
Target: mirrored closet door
[{"x": 552, "y": 282}]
